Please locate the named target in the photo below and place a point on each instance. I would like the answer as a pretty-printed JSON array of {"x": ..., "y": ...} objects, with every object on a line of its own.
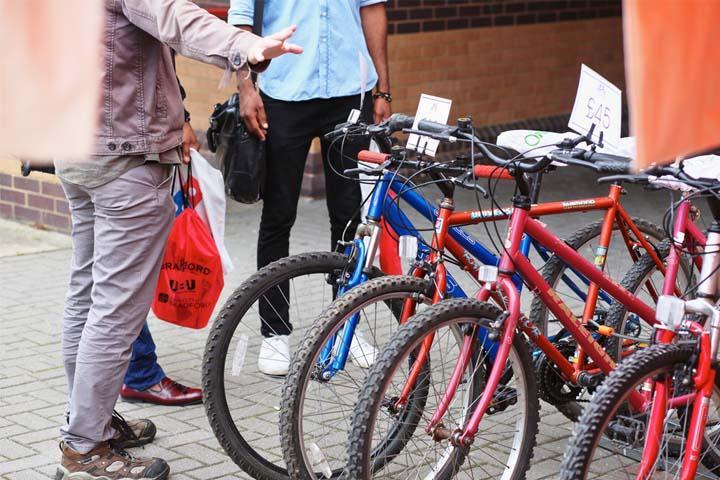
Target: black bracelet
[
  {"x": 187, "y": 116},
  {"x": 384, "y": 95}
]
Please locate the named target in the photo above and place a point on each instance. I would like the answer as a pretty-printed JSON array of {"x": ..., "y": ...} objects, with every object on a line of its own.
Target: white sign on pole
[
  {"x": 598, "y": 102},
  {"x": 431, "y": 108}
]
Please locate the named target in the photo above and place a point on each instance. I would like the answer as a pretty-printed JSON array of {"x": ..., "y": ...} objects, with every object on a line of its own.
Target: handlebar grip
[
  {"x": 26, "y": 168},
  {"x": 372, "y": 157},
  {"x": 398, "y": 121},
  {"x": 434, "y": 127},
  {"x": 491, "y": 171}
]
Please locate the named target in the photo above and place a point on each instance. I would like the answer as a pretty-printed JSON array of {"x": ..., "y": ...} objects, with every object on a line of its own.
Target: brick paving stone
[
  {"x": 12, "y": 449},
  {"x": 32, "y": 378}
]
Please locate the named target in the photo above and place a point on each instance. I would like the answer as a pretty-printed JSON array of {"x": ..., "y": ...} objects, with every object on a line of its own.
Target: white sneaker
[
  {"x": 274, "y": 357},
  {"x": 362, "y": 352}
]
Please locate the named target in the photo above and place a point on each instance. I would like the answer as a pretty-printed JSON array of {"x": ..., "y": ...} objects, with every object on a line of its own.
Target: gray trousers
[{"x": 119, "y": 232}]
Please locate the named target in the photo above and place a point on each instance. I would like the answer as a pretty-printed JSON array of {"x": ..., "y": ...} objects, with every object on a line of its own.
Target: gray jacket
[{"x": 142, "y": 111}]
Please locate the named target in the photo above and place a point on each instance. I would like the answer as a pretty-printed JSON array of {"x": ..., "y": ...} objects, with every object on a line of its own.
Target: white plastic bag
[
  {"x": 533, "y": 143},
  {"x": 536, "y": 142},
  {"x": 209, "y": 202}
]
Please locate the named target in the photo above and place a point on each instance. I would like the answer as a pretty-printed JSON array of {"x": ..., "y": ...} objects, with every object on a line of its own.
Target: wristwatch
[
  {"x": 187, "y": 116},
  {"x": 384, "y": 95}
]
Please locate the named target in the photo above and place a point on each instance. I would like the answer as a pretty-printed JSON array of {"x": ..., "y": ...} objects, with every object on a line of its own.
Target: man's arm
[
  {"x": 189, "y": 139},
  {"x": 374, "y": 24},
  {"x": 252, "y": 110},
  {"x": 195, "y": 33}
]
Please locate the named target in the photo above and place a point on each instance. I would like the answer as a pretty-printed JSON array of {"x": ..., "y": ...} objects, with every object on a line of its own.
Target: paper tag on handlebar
[
  {"x": 597, "y": 102},
  {"x": 432, "y": 108},
  {"x": 408, "y": 247},
  {"x": 354, "y": 116}
]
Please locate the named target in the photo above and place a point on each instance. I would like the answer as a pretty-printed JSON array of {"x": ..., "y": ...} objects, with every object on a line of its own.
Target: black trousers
[{"x": 292, "y": 127}]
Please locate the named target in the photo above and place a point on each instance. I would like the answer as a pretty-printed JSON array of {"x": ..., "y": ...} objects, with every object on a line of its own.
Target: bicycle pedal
[{"x": 502, "y": 400}]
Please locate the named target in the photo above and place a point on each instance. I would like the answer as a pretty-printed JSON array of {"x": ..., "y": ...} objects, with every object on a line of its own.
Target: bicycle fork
[{"x": 507, "y": 323}]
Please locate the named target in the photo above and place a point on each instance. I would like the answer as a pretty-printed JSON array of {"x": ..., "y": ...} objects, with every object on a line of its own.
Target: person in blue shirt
[{"x": 296, "y": 100}]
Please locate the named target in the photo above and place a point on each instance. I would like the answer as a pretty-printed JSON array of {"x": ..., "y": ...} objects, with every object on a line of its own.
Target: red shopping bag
[{"x": 191, "y": 274}]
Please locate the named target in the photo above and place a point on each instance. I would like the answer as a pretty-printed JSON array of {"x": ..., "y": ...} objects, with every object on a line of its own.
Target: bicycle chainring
[{"x": 552, "y": 387}]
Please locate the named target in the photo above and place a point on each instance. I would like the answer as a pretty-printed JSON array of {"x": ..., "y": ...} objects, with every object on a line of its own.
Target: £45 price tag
[{"x": 598, "y": 102}]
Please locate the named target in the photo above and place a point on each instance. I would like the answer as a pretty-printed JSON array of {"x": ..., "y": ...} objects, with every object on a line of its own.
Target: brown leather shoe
[
  {"x": 168, "y": 392},
  {"x": 106, "y": 463},
  {"x": 131, "y": 433}
]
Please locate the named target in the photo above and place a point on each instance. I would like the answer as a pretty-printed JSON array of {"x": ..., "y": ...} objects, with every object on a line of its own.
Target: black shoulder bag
[{"x": 241, "y": 155}]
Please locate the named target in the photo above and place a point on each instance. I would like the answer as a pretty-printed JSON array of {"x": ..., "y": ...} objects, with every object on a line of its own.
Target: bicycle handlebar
[
  {"x": 479, "y": 171},
  {"x": 27, "y": 167},
  {"x": 491, "y": 171},
  {"x": 377, "y": 158},
  {"x": 441, "y": 130}
]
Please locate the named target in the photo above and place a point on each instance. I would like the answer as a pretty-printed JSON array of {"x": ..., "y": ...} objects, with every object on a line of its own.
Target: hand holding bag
[{"x": 241, "y": 154}]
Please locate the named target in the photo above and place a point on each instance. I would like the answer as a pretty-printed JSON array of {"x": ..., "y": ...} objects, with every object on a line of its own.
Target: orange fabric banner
[{"x": 672, "y": 60}]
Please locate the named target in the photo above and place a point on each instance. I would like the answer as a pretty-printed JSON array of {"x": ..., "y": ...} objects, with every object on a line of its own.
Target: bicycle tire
[
  {"x": 610, "y": 397},
  {"x": 216, "y": 352},
  {"x": 369, "y": 401},
  {"x": 385, "y": 289}
]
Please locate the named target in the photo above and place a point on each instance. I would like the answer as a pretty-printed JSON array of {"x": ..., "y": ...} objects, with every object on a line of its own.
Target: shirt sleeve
[
  {"x": 191, "y": 31},
  {"x": 367, "y": 3},
  {"x": 241, "y": 12}
]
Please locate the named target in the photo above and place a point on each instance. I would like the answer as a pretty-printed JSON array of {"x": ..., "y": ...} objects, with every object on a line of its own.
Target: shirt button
[
  {"x": 127, "y": 146},
  {"x": 111, "y": 146}
]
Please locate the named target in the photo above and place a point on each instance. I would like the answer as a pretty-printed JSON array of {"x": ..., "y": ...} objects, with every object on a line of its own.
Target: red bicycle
[
  {"x": 675, "y": 431},
  {"x": 442, "y": 355}
]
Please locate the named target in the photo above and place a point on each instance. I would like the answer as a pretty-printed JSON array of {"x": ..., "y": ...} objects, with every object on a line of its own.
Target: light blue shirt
[{"x": 335, "y": 53}]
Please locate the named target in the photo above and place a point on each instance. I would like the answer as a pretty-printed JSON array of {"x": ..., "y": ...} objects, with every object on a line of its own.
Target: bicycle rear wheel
[
  {"x": 607, "y": 442},
  {"x": 504, "y": 442},
  {"x": 571, "y": 286}
]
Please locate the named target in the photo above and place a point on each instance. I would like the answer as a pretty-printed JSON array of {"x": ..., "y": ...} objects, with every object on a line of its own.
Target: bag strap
[
  {"x": 189, "y": 185},
  {"x": 258, "y": 14},
  {"x": 176, "y": 176}
]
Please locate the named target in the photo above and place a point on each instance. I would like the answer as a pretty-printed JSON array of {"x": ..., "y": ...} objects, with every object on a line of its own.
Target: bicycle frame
[
  {"x": 512, "y": 262},
  {"x": 464, "y": 248}
]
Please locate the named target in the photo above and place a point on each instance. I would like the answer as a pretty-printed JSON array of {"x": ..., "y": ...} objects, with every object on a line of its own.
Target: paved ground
[{"x": 32, "y": 381}]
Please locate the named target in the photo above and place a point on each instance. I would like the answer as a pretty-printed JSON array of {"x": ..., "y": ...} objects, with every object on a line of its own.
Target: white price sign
[
  {"x": 598, "y": 102},
  {"x": 431, "y": 108}
]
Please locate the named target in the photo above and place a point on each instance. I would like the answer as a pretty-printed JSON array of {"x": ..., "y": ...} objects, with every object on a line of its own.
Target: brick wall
[
  {"x": 495, "y": 74},
  {"x": 37, "y": 200},
  {"x": 411, "y": 16},
  {"x": 521, "y": 60}
]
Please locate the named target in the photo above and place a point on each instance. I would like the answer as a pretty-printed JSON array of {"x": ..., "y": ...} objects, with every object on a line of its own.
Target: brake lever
[
  {"x": 434, "y": 136},
  {"x": 635, "y": 179},
  {"x": 466, "y": 181},
  {"x": 366, "y": 171}
]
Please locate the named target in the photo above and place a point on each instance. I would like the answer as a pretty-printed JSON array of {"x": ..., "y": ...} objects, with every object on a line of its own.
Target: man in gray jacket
[{"x": 122, "y": 213}]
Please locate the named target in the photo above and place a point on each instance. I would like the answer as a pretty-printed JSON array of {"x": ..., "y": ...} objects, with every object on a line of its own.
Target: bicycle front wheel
[
  {"x": 505, "y": 439},
  {"x": 243, "y": 404},
  {"x": 607, "y": 442},
  {"x": 319, "y": 394}
]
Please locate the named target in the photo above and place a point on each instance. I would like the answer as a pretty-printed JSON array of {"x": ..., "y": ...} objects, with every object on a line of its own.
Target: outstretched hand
[{"x": 273, "y": 46}]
